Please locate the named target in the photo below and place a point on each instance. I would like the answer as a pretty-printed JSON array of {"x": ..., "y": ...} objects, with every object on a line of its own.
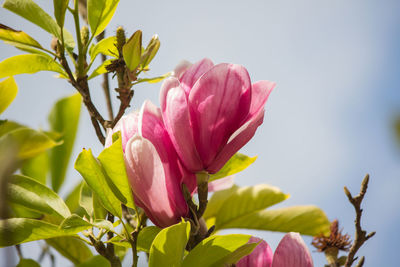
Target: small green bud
[
  {"x": 84, "y": 35},
  {"x": 150, "y": 51},
  {"x": 121, "y": 39}
]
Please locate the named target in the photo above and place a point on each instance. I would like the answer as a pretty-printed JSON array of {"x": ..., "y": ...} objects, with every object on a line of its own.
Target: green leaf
[
  {"x": 146, "y": 238},
  {"x": 132, "y": 50},
  {"x": 76, "y": 222},
  {"x": 28, "y": 64},
  {"x": 94, "y": 175},
  {"x": 236, "y": 255},
  {"x": 100, "y": 13},
  {"x": 36, "y": 196},
  {"x": 215, "y": 249},
  {"x": 72, "y": 200},
  {"x": 99, "y": 212},
  {"x": 37, "y": 167},
  {"x": 100, "y": 69},
  {"x": 8, "y": 126},
  {"x": 60, "y": 7},
  {"x": 71, "y": 248},
  {"x": 154, "y": 79},
  {"x": 35, "y": 14},
  {"x": 105, "y": 46},
  {"x": 236, "y": 164},
  {"x": 307, "y": 220},
  {"x": 19, "y": 39},
  {"x": 30, "y": 143},
  {"x": 19, "y": 211},
  {"x": 150, "y": 52},
  {"x": 86, "y": 199},
  {"x": 63, "y": 118},
  {"x": 112, "y": 160},
  {"x": 8, "y": 91},
  {"x": 95, "y": 261},
  {"x": 169, "y": 245},
  {"x": 238, "y": 202},
  {"x": 27, "y": 263},
  {"x": 21, "y": 230}
]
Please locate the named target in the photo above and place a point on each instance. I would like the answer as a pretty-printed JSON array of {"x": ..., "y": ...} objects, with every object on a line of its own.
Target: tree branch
[{"x": 361, "y": 235}]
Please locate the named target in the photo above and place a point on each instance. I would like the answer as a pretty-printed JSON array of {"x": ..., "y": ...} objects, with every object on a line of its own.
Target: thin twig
[
  {"x": 19, "y": 251},
  {"x": 361, "y": 235},
  {"x": 106, "y": 81}
]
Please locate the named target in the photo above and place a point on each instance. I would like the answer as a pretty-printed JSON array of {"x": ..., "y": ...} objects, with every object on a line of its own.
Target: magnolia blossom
[
  {"x": 153, "y": 167},
  {"x": 211, "y": 111},
  {"x": 291, "y": 252}
]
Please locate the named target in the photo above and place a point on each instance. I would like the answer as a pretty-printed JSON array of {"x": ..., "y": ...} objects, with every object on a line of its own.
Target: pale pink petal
[
  {"x": 147, "y": 178},
  {"x": 108, "y": 142},
  {"x": 221, "y": 184},
  {"x": 128, "y": 125},
  {"x": 151, "y": 127},
  {"x": 292, "y": 252},
  {"x": 219, "y": 103},
  {"x": 176, "y": 117},
  {"x": 181, "y": 68},
  {"x": 259, "y": 95},
  {"x": 260, "y": 257},
  {"x": 194, "y": 72}
]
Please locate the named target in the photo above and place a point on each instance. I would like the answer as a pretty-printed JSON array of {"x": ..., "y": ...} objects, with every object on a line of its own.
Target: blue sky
[{"x": 327, "y": 123}]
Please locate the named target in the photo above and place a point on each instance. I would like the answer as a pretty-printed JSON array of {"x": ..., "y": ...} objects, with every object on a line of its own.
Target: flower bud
[{"x": 84, "y": 35}]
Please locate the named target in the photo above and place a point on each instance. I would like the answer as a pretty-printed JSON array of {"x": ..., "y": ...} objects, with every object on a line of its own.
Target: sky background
[{"x": 328, "y": 122}]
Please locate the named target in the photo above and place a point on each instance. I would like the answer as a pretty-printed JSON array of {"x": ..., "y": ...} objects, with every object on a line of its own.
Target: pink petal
[
  {"x": 219, "y": 102},
  {"x": 194, "y": 72},
  {"x": 128, "y": 125},
  {"x": 221, "y": 184},
  {"x": 260, "y": 257},
  {"x": 175, "y": 111},
  {"x": 151, "y": 127},
  {"x": 292, "y": 252},
  {"x": 181, "y": 68},
  {"x": 259, "y": 95},
  {"x": 147, "y": 178}
]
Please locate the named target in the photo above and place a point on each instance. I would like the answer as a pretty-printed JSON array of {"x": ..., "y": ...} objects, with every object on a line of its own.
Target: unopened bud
[
  {"x": 54, "y": 44},
  {"x": 121, "y": 39},
  {"x": 84, "y": 35}
]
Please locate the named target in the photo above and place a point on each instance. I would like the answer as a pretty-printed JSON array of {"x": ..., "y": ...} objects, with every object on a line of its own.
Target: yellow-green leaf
[
  {"x": 215, "y": 249},
  {"x": 132, "y": 50},
  {"x": 33, "y": 195},
  {"x": 63, "y": 118},
  {"x": 169, "y": 245},
  {"x": 8, "y": 91},
  {"x": 91, "y": 170},
  {"x": 30, "y": 143},
  {"x": 112, "y": 160},
  {"x": 100, "y": 13},
  {"x": 307, "y": 220},
  {"x": 28, "y": 64},
  {"x": 29, "y": 10},
  {"x": 236, "y": 164},
  {"x": 71, "y": 248},
  {"x": 106, "y": 47}
]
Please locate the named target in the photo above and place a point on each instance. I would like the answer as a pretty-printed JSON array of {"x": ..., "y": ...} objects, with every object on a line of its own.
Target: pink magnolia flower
[
  {"x": 210, "y": 112},
  {"x": 153, "y": 167},
  {"x": 291, "y": 252}
]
